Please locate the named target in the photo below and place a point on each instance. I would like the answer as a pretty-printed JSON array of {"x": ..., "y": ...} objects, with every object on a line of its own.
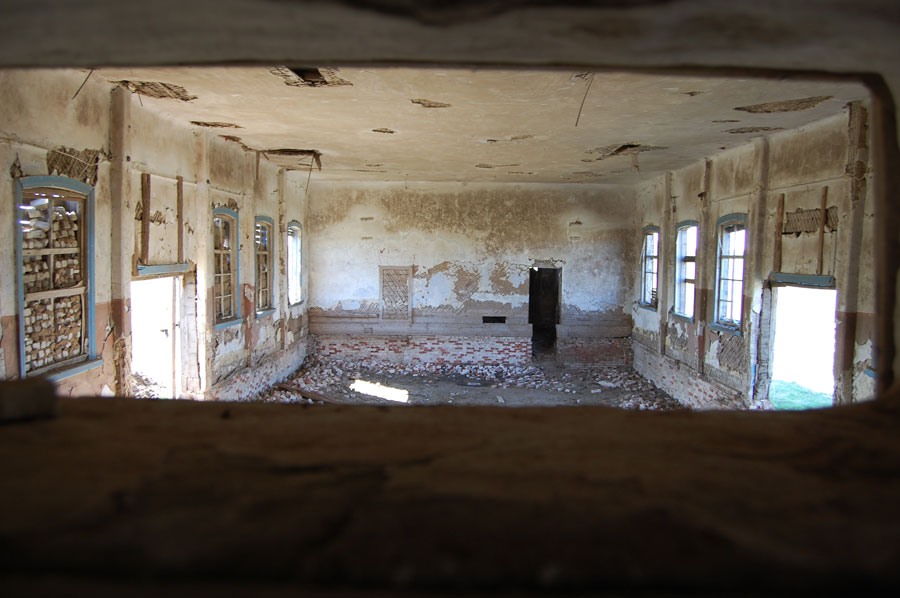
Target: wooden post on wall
[
  {"x": 145, "y": 218},
  {"x": 779, "y": 229},
  {"x": 822, "y": 215},
  {"x": 707, "y": 239},
  {"x": 665, "y": 262},
  {"x": 179, "y": 207}
]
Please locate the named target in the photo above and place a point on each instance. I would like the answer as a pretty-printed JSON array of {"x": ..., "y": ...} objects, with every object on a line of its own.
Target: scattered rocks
[{"x": 616, "y": 386}]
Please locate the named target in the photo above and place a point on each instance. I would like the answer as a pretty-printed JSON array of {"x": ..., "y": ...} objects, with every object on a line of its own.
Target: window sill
[
  {"x": 228, "y": 323},
  {"x": 80, "y": 368},
  {"x": 732, "y": 330},
  {"x": 163, "y": 269},
  {"x": 298, "y": 304},
  {"x": 647, "y": 306},
  {"x": 265, "y": 312},
  {"x": 683, "y": 318}
]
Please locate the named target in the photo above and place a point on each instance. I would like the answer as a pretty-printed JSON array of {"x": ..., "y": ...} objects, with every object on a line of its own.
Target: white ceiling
[{"x": 499, "y": 125}]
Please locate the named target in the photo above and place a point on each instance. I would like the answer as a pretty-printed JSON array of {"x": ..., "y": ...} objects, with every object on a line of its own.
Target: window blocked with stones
[
  {"x": 294, "y": 262},
  {"x": 685, "y": 268},
  {"x": 395, "y": 293},
  {"x": 262, "y": 243},
  {"x": 225, "y": 265},
  {"x": 730, "y": 271},
  {"x": 649, "y": 267},
  {"x": 52, "y": 267}
]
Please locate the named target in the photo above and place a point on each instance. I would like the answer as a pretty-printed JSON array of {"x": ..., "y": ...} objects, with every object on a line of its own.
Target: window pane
[
  {"x": 691, "y": 241},
  {"x": 688, "y": 307},
  {"x": 738, "y": 242},
  {"x": 294, "y": 264},
  {"x": 737, "y": 269}
]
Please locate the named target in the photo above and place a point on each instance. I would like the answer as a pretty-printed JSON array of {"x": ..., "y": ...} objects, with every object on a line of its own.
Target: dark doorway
[{"x": 543, "y": 308}]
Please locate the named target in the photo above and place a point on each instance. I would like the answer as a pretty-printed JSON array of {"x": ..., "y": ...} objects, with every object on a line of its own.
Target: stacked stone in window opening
[
  {"x": 53, "y": 326},
  {"x": 36, "y": 273},
  {"x": 65, "y": 228},
  {"x": 46, "y": 344},
  {"x": 35, "y": 225}
]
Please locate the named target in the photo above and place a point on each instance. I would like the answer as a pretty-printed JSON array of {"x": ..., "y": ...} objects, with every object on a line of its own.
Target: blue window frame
[
  {"x": 226, "y": 268},
  {"x": 730, "y": 252},
  {"x": 294, "y": 262},
  {"x": 264, "y": 255},
  {"x": 649, "y": 267},
  {"x": 54, "y": 233},
  {"x": 685, "y": 268}
]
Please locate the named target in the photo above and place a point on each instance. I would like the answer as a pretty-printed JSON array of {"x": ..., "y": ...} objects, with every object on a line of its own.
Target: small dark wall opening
[
  {"x": 543, "y": 308},
  {"x": 493, "y": 319}
]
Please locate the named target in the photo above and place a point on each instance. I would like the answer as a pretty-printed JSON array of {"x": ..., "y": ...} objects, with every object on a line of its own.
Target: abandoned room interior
[
  {"x": 210, "y": 228},
  {"x": 270, "y": 238}
]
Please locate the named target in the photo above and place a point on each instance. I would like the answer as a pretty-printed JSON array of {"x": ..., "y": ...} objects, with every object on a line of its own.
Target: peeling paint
[
  {"x": 429, "y": 103},
  {"x": 215, "y": 124},
  {"x": 753, "y": 130},
  {"x": 158, "y": 89},
  {"x": 785, "y": 105}
]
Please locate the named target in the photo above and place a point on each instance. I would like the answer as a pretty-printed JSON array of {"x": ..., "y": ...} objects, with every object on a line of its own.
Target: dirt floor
[{"x": 544, "y": 383}]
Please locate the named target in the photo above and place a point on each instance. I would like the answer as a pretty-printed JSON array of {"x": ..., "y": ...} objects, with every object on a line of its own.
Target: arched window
[
  {"x": 730, "y": 253},
  {"x": 55, "y": 248},
  {"x": 649, "y": 267},
  {"x": 225, "y": 271},
  {"x": 294, "y": 262},
  {"x": 685, "y": 268},
  {"x": 262, "y": 241}
]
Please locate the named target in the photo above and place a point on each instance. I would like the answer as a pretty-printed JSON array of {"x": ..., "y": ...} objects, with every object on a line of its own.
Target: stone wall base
[
  {"x": 249, "y": 382},
  {"x": 594, "y": 351},
  {"x": 438, "y": 350},
  {"x": 684, "y": 384}
]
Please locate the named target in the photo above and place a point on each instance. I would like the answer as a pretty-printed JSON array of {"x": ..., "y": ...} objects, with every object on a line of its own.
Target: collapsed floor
[{"x": 541, "y": 384}]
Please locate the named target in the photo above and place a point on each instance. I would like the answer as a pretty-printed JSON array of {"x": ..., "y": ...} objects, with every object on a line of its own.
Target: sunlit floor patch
[{"x": 381, "y": 391}]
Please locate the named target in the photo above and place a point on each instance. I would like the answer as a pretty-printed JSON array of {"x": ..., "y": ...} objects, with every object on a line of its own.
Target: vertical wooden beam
[
  {"x": 179, "y": 207},
  {"x": 822, "y": 230},
  {"x": 779, "y": 230},
  {"x": 849, "y": 243},
  {"x": 705, "y": 245},
  {"x": 886, "y": 183},
  {"x": 665, "y": 260},
  {"x": 145, "y": 218}
]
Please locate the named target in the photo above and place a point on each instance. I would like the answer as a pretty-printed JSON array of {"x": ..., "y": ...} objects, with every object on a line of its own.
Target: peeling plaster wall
[
  {"x": 471, "y": 247},
  {"x": 266, "y": 346},
  {"x": 749, "y": 179},
  {"x": 40, "y": 114}
]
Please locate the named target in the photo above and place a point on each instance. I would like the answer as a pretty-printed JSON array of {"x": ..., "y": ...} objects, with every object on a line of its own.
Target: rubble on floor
[
  {"x": 144, "y": 387},
  {"x": 539, "y": 384}
]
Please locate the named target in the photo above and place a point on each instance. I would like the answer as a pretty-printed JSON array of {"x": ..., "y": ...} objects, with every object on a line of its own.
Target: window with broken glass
[
  {"x": 225, "y": 258},
  {"x": 262, "y": 239},
  {"x": 53, "y": 277},
  {"x": 730, "y": 271},
  {"x": 649, "y": 267},
  {"x": 294, "y": 262},
  {"x": 685, "y": 268}
]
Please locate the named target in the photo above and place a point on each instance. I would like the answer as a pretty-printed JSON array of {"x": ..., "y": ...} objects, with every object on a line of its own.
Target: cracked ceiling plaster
[{"x": 489, "y": 125}]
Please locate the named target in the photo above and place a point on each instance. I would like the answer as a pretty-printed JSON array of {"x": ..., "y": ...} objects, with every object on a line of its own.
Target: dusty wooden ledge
[{"x": 447, "y": 497}]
